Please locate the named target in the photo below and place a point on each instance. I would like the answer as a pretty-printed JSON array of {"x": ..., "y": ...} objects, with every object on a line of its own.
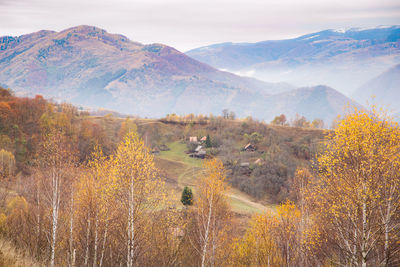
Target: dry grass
[{"x": 12, "y": 257}]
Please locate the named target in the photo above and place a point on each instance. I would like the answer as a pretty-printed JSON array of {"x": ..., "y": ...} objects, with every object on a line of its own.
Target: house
[
  {"x": 258, "y": 161},
  {"x": 155, "y": 151},
  {"x": 193, "y": 139},
  {"x": 244, "y": 164},
  {"x": 199, "y": 153},
  {"x": 203, "y": 139},
  {"x": 249, "y": 147}
]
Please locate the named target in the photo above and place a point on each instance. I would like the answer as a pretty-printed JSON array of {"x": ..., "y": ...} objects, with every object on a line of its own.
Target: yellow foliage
[
  {"x": 358, "y": 190},
  {"x": 258, "y": 246}
]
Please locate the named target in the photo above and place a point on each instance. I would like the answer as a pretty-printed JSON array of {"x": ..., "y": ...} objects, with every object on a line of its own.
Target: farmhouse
[
  {"x": 249, "y": 147},
  {"x": 199, "y": 152},
  {"x": 193, "y": 139}
]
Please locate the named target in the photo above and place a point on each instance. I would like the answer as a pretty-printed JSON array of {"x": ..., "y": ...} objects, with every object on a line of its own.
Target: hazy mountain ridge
[
  {"x": 382, "y": 90},
  {"x": 327, "y": 57},
  {"x": 88, "y": 66},
  {"x": 312, "y": 102}
]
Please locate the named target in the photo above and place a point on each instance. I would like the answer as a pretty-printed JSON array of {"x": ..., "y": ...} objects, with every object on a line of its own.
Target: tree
[
  {"x": 279, "y": 120},
  {"x": 356, "y": 200},
  {"x": 187, "y": 196},
  {"x": 317, "y": 123},
  {"x": 139, "y": 190},
  {"x": 56, "y": 163},
  {"x": 7, "y": 163},
  {"x": 212, "y": 216},
  {"x": 127, "y": 126},
  {"x": 95, "y": 201},
  {"x": 258, "y": 246},
  {"x": 300, "y": 121},
  {"x": 225, "y": 113},
  {"x": 208, "y": 141},
  {"x": 253, "y": 138}
]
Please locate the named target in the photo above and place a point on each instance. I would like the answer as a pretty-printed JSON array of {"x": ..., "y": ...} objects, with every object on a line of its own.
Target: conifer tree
[
  {"x": 187, "y": 196},
  {"x": 208, "y": 141}
]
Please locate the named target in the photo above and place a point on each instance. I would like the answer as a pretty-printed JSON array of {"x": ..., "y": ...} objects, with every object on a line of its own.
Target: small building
[
  {"x": 203, "y": 139},
  {"x": 249, "y": 147},
  {"x": 244, "y": 164},
  {"x": 258, "y": 162},
  {"x": 155, "y": 152},
  {"x": 193, "y": 139},
  {"x": 201, "y": 153},
  {"x": 164, "y": 147}
]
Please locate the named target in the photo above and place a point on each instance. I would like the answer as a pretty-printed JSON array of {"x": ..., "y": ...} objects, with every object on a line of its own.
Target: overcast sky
[{"x": 186, "y": 24}]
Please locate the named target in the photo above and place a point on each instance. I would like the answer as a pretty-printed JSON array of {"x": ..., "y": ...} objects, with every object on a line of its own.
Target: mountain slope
[
  {"x": 312, "y": 102},
  {"x": 343, "y": 59},
  {"x": 383, "y": 90},
  {"x": 89, "y": 66}
]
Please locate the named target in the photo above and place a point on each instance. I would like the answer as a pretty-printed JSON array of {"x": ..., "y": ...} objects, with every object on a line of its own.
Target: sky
[{"x": 188, "y": 24}]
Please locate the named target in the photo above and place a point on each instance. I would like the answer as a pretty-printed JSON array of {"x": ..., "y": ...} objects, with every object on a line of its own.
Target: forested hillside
[{"x": 80, "y": 190}]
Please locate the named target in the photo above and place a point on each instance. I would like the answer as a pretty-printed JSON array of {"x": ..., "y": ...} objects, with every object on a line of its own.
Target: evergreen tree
[
  {"x": 208, "y": 141},
  {"x": 187, "y": 196}
]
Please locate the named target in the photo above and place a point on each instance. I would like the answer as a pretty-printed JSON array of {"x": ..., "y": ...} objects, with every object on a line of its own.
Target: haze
[{"x": 190, "y": 24}]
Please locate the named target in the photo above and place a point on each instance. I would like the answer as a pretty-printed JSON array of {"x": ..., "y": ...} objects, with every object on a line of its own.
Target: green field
[{"x": 183, "y": 170}]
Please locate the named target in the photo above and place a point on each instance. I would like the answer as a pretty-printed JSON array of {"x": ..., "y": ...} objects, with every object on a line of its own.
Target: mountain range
[
  {"x": 86, "y": 65},
  {"x": 342, "y": 59},
  {"x": 383, "y": 90}
]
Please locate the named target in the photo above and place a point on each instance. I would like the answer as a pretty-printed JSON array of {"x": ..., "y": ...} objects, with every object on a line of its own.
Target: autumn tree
[
  {"x": 92, "y": 212},
  {"x": 139, "y": 188},
  {"x": 212, "y": 216},
  {"x": 56, "y": 164},
  {"x": 279, "y": 120},
  {"x": 127, "y": 126},
  {"x": 258, "y": 247},
  {"x": 7, "y": 163},
  {"x": 356, "y": 199},
  {"x": 300, "y": 121},
  {"x": 317, "y": 123},
  {"x": 165, "y": 230}
]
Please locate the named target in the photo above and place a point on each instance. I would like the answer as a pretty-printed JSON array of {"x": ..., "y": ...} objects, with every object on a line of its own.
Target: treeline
[
  {"x": 24, "y": 121},
  {"x": 299, "y": 121},
  {"x": 114, "y": 210},
  {"x": 86, "y": 201}
]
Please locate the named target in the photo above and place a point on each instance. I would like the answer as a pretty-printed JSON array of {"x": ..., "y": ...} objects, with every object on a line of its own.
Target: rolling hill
[
  {"x": 312, "y": 102},
  {"x": 87, "y": 66},
  {"x": 342, "y": 59},
  {"x": 382, "y": 90}
]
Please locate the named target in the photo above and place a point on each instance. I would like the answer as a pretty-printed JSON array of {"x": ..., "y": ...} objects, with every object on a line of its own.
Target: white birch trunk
[
  {"x": 71, "y": 231},
  {"x": 96, "y": 224},
  {"x": 55, "y": 207},
  {"x": 87, "y": 241},
  {"x": 131, "y": 227},
  {"x": 38, "y": 226},
  {"x": 104, "y": 245},
  {"x": 206, "y": 234}
]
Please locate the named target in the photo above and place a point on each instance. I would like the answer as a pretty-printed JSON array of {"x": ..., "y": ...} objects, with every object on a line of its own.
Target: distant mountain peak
[
  {"x": 343, "y": 58},
  {"x": 88, "y": 66}
]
